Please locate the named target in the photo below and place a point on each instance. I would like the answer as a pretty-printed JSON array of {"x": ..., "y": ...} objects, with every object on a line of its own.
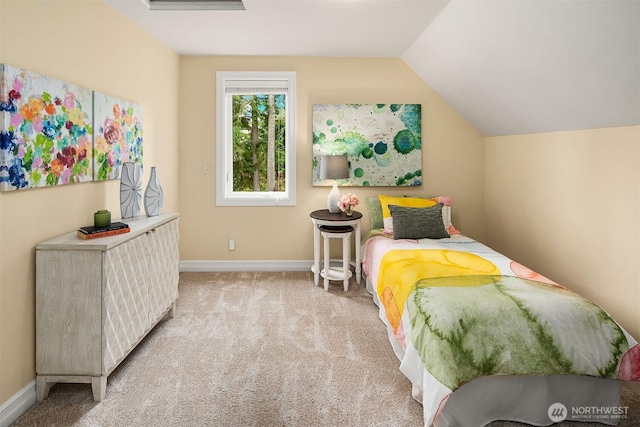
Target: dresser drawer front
[
  {"x": 163, "y": 268},
  {"x": 125, "y": 299}
]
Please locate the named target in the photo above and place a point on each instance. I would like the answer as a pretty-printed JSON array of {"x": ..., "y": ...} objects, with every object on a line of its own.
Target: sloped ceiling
[
  {"x": 508, "y": 66},
  {"x": 514, "y": 67}
]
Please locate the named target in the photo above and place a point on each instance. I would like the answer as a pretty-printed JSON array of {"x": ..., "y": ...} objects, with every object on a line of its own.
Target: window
[{"x": 255, "y": 147}]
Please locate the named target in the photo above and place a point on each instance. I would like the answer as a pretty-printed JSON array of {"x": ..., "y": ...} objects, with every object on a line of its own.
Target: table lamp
[{"x": 334, "y": 167}]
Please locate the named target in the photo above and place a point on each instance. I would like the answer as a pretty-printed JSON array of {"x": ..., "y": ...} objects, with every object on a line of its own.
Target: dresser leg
[
  {"x": 42, "y": 387},
  {"x": 99, "y": 387}
]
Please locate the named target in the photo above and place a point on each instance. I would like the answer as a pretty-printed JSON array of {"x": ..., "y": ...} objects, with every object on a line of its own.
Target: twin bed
[{"x": 482, "y": 337}]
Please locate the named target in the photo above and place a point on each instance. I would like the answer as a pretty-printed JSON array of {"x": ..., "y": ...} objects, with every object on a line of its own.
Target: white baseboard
[
  {"x": 235, "y": 265},
  {"x": 18, "y": 404}
]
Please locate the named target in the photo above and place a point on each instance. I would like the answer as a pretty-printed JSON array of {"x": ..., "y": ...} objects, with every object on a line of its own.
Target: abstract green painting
[{"x": 383, "y": 142}]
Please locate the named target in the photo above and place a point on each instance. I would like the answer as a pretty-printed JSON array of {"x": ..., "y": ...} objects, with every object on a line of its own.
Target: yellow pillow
[{"x": 409, "y": 202}]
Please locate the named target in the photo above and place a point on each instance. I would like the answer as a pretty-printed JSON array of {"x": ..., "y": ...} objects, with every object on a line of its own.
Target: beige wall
[
  {"x": 452, "y": 155},
  {"x": 566, "y": 204},
  {"x": 90, "y": 44}
]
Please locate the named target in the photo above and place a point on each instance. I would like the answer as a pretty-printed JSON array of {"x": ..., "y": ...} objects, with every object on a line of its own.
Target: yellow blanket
[{"x": 401, "y": 269}]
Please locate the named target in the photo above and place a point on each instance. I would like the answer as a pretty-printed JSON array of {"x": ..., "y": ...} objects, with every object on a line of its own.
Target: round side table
[{"x": 323, "y": 218}]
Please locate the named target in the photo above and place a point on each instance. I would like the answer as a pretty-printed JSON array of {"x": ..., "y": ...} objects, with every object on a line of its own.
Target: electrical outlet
[{"x": 232, "y": 244}]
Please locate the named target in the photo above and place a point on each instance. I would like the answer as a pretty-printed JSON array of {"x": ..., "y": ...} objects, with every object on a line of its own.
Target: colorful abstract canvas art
[
  {"x": 118, "y": 135},
  {"x": 45, "y": 131},
  {"x": 383, "y": 142}
]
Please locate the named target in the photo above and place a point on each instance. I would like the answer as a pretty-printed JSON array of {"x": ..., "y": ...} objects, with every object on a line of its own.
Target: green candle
[{"x": 102, "y": 218}]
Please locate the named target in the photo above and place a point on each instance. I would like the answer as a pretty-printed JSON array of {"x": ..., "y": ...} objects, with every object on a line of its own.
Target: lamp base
[{"x": 333, "y": 199}]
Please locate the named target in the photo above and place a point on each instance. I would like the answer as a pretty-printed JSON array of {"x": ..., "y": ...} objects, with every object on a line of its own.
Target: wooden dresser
[{"x": 97, "y": 299}]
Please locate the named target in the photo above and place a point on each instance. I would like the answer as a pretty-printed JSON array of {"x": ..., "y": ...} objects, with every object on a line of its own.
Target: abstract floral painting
[
  {"x": 383, "y": 142},
  {"x": 45, "y": 131},
  {"x": 118, "y": 135}
]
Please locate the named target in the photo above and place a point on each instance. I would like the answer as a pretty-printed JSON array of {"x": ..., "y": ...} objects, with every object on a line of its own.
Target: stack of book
[{"x": 91, "y": 232}]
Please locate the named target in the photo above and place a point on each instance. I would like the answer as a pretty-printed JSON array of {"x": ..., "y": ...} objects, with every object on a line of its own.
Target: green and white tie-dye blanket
[{"x": 509, "y": 325}]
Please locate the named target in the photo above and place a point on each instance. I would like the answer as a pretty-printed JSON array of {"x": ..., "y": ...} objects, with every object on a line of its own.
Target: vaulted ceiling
[{"x": 508, "y": 66}]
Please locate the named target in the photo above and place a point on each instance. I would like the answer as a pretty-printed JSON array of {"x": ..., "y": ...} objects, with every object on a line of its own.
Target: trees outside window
[{"x": 255, "y": 163}]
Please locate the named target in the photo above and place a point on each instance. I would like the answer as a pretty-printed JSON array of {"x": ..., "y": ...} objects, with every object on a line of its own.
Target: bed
[{"x": 482, "y": 337}]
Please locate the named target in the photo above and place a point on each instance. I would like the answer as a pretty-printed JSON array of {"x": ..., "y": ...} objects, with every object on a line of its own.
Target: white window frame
[{"x": 237, "y": 82}]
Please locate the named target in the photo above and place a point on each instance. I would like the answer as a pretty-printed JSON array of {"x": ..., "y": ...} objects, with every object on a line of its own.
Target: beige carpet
[{"x": 256, "y": 349}]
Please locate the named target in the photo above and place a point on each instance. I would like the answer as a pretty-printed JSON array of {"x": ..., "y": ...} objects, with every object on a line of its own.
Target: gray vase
[
  {"x": 130, "y": 189},
  {"x": 153, "y": 195}
]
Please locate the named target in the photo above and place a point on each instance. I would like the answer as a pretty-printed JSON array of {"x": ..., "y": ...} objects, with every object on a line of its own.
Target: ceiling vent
[{"x": 194, "y": 4}]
